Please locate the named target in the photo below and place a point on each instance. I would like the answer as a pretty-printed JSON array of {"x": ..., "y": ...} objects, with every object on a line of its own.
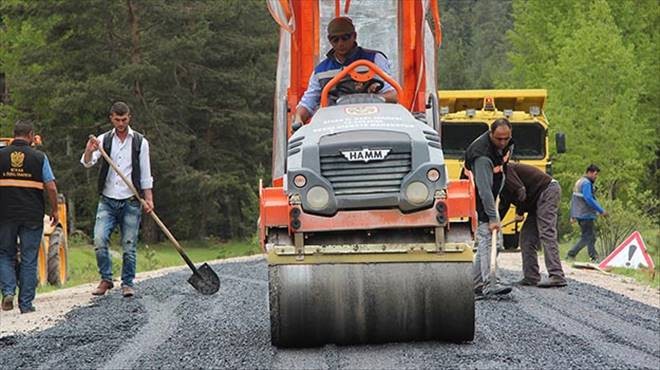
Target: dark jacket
[
  {"x": 21, "y": 184},
  {"x": 481, "y": 157},
  {"x": 523, "y": 187}
]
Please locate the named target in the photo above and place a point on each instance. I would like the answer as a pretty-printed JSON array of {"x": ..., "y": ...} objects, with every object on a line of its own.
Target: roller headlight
[
  {"x": 300, "y": 181},
  {"x": 433, "y": 175},
  {"x": 318, "y": 198},
  {"x": 417, "y": 192}
]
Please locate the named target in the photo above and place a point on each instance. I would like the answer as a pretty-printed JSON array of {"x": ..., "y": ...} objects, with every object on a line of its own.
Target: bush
[{"x": 622, "y": 220}]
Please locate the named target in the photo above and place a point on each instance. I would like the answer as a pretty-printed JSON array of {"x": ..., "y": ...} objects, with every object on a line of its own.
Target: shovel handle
[
  {"x": 493, "y": 248},
  {"x": 493, "y": 253},
  {"x": 144, "y": 204}
]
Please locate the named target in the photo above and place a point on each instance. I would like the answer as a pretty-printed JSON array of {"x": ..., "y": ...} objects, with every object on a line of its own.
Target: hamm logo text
[{"x": 366, "y": 155}]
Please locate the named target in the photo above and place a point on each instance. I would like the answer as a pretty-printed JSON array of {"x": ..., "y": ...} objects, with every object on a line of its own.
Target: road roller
[{"x": 366, "y": 238}]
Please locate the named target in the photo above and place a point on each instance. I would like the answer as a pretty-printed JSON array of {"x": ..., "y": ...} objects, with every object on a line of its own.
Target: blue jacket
[{"x": 330, "y": 67}]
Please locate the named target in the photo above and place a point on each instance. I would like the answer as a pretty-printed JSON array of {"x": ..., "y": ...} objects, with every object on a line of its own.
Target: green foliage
[
  {"x": 620, "y": 223},
  {"x": 595, "y": 58},
  {"x": 199, "y": 76},
  {"x": 593, "y": 110},
  {"x": 540, "y": 30},
  {"x": 473, "y": 51},
  {"x": 150, "y": 258}
]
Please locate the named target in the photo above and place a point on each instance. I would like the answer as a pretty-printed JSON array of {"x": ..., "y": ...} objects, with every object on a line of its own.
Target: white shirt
[{"x": 121, "y": 153}]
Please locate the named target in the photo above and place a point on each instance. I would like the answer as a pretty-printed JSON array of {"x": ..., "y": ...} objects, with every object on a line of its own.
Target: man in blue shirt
[
  {"x": 584, "y": 209},
  {"x": 24, "y": 175},
  {"x": 345, "y": 50}
]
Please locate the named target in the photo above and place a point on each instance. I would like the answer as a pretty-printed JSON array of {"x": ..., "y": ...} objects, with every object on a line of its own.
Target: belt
[{"x": 120, "y": 200}]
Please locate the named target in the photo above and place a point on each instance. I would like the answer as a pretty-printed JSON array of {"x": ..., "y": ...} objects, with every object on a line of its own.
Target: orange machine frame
[{"x": 274, "y": 206}]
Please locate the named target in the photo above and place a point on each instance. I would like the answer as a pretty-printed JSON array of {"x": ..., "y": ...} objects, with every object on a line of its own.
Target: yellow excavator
[{"x": 52, "y": 262}]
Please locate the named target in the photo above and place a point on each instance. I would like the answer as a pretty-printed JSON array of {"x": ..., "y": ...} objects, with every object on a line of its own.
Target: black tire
[
  {"x": 343, "y": 303},
  {"x": 511, "y": 241},
  {"x": 55, "y": 259}
]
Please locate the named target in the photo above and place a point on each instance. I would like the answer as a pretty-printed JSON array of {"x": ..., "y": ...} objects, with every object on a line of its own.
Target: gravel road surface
[{"x": 170, "y": 325}]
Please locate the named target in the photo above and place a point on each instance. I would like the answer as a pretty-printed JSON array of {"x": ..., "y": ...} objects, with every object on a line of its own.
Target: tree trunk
[
  {"x": 136, "y": 52},
  {"x": 149, "y": 229},
  {"x": 203, "y": 221},
  {"x": 71, "y": 214}
]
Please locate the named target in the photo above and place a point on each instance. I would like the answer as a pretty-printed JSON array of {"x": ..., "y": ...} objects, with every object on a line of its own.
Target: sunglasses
[{"x": 344, "y": 37}]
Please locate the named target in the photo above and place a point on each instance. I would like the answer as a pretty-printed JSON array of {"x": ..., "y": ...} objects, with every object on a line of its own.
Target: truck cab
[{"x": 466, "y": 114}]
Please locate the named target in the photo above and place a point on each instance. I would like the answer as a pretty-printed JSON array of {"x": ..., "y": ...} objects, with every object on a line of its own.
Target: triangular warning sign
[{"x": 631, "y": 253}]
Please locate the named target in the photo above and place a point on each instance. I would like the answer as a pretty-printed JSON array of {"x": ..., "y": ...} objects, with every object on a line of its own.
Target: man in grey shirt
[{"x": 485, "y": 157}]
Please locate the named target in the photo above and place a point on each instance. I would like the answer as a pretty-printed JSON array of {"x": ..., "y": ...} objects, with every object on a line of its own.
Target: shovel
[
  {"x": 493, "y": 249},
  {"x": 204, "y": 279}
]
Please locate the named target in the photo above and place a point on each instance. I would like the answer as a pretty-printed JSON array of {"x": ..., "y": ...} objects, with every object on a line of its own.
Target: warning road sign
[{"x": 631, "y": 254}]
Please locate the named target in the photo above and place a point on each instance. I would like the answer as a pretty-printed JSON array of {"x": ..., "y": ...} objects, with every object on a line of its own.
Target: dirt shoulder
[
  {"x": 623, "y": 285},
  {"x": 52, "y": 306}
]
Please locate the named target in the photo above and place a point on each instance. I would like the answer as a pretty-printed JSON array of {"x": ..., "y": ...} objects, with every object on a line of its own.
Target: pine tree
[
  {"x": 595, "y": 86},
  {"x": 199, "y": 76}
]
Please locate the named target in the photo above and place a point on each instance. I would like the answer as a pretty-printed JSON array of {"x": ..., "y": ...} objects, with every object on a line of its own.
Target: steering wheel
[
  {"x": 364, "y": 75},
  {"x": 350, "y": 86}
]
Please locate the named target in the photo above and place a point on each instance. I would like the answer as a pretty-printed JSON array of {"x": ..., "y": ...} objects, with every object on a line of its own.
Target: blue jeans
[
  {"x": 112, "y": 213},
  {"x": 481, "y": 265},
  {"x": 30, "y": 240},
  {"x": 588, "y": 239}
]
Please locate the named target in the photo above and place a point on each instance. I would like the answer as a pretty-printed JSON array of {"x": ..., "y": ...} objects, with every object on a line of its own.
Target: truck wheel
[
  {"x": 511, "y": 241},
  {"x": 57, "y": 258}
]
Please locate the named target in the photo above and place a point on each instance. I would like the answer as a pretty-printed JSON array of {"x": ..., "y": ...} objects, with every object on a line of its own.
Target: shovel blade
[{"x": 206, "y": 281}]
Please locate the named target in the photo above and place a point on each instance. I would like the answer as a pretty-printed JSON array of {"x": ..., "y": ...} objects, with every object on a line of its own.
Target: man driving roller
[{"x": 345, "y": 50}]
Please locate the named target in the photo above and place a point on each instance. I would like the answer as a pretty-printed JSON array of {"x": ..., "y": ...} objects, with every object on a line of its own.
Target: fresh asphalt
[{"x": 169, "y": 325}]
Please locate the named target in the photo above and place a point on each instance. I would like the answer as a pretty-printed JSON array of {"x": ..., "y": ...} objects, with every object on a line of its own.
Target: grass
[
  {"x": 82, "y": 258},
  {"x": 644, "y": 276}
]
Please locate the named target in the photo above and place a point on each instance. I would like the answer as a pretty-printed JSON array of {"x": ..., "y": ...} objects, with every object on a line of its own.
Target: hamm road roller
[{"x": 367, "y": 240}]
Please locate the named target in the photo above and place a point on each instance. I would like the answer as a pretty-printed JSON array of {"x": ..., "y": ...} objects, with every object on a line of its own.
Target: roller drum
[{"x": 311, "y": 305}]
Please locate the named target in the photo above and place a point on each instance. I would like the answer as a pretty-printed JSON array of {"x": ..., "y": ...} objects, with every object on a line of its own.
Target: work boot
[
  {"x": 8, "y": 302},
  {"x": 103, "y": 287},
  {"x": 496, "y": 289},
  {"x": 552, "y": 282},
  {"x": 527, "y": 282},
  {"x": 28, "y": 310},
  {"x": 127, "y": 291}
]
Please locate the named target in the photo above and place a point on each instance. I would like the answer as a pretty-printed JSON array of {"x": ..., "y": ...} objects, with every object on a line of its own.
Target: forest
[{"x": 200, "y": 75}]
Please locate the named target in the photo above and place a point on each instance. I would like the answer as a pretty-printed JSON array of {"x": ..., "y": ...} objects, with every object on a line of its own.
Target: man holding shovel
[
  {"x": 537, "y": 193},
  {"x": 118, "y": 206},
  {"x": 485, "y": 158}
]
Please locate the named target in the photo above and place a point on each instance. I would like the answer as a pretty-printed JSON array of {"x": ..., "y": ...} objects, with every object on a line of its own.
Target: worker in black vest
[
  {"x": 24, "y": 174},
  {"x": 117, "y": 204},
  {"x": 485, "y": 158}
]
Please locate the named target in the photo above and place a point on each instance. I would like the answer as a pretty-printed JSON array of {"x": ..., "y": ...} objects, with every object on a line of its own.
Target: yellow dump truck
[
  {"x": 52, "y": 262},
  {"x": 466, "y": 114}
]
